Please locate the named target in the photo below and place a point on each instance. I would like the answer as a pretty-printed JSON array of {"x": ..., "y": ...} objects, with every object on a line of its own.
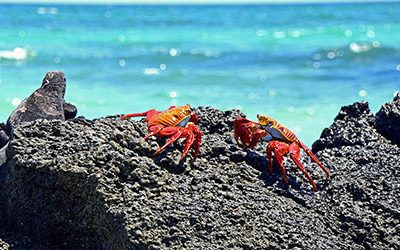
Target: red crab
[
  {"x": 281, "y": 142},
  {"x": 175, "y": 122}
]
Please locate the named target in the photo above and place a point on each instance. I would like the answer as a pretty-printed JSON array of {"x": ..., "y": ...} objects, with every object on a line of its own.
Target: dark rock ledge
[{"x": 93, "y": 184}]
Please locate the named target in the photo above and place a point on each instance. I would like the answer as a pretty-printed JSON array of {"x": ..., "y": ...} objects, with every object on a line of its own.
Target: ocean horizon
[{"x": 296, "y": 63}]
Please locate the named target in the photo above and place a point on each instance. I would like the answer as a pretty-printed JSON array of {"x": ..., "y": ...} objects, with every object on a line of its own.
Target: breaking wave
[{"x": 18, "y": 54}]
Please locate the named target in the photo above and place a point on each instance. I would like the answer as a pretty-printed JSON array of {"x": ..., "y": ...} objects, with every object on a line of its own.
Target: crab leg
[
  {"x": 198, "y": 143},
  {"x": 241, "y": 131},
  {"x": 148, "y": 113},
  {"x": 308, "y": 151},
  {"x": 260, "y": 133},
  {"x": 269, "y": 154},
  {"x": 189, "y": 143},
  {"x": 294, "y": 153},
  {"x": 153, "y": 131},
  {"x": 175, "y": 137},
  {"x": 300, "y": 166},
  {"x": 279, "y": 159},
  {"x": 279, "y": 150}
]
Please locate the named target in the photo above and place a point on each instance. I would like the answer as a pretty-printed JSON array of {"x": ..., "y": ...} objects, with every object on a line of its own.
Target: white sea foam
[
  {"x": 151, "y": 71},
  {"x": 173, "y": 52},
  {"x": 15, "y": 54},
  {"x": 47, "y": 10},
  {"x": 359, "y": 48}
]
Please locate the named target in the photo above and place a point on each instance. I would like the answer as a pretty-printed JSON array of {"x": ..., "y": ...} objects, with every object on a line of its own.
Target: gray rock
[
  {"x": 47, "y": 102},
  {"x": 15, "y": 240},
  {"x": 363, "y": 195},
  {"x": 3, "y": 154},
  {"x": 3, "y": 138},
  {"x": 352, "y": 126},
  {"x": 70, "y": 111},
  {"x": 94, "y": 184},
  {"x": 388, "y": 120}
]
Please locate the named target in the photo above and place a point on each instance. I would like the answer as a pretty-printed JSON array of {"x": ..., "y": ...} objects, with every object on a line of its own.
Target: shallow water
[{"x": 297, "y": 63}]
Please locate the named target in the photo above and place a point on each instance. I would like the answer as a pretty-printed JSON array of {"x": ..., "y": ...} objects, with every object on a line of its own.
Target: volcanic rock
[
  {"x": 3, "y": 136},
  {"x": 94, "y": 184},
  {"x": 363, "y": 197},
  {"x": 47, "y": 102},
  {"x": 70, "y": 111},
  {"x": 388, "y": 120},
  {"x": 3, "y": 142}
]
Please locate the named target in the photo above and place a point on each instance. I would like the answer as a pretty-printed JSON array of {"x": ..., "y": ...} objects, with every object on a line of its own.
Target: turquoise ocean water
[{"x": 296, "y": 63}]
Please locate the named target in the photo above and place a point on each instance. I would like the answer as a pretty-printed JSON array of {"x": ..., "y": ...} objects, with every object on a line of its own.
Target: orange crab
[
  {"x": 281, "y": 142},
  {"x": 175, "y": 122}
]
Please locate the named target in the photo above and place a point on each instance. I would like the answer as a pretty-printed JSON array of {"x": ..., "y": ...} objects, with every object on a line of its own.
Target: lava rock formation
[{"x": 94, "y": 184}]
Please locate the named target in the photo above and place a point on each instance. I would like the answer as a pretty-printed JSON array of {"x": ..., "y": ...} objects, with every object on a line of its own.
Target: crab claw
[
  {"x": 191, "y": 132},
  {"x": 194, "y": 118},
  {"x": 247, "y": 133}
]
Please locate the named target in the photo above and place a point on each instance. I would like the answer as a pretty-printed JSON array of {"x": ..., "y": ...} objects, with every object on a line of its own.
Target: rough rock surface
[
  {"x": 3, "y": 142},
  {"x": 3, "y": 136},
  {"x": 93, "y": 184},
  {"x": 388, "y": 120},
  {"x": 14, "y": 240},
  {"x": 364, "y": 193},
  {"x": 47, "y": 102},
  {"x": 70, "y": 111}
]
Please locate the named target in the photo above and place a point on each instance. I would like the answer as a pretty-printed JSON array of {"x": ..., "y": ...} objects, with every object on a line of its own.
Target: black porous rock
[
  {"x": 388, "y": 120},
  {"x": 352, "y": 127},
  {"x": 216, "y": 121},
  {"x": 3, "y": 142},
  {"x": 3, "y": 155},
  {"x": 47, "y": 102},
  {"x": 15, "y": 240},
  {"x": 3, "y": 135},
  {"x": 3, "y": 138},
  {"x": 70, "y": 111},
  {"x": 93, "y": 184},
  {"x": 365, "y": 166}
]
